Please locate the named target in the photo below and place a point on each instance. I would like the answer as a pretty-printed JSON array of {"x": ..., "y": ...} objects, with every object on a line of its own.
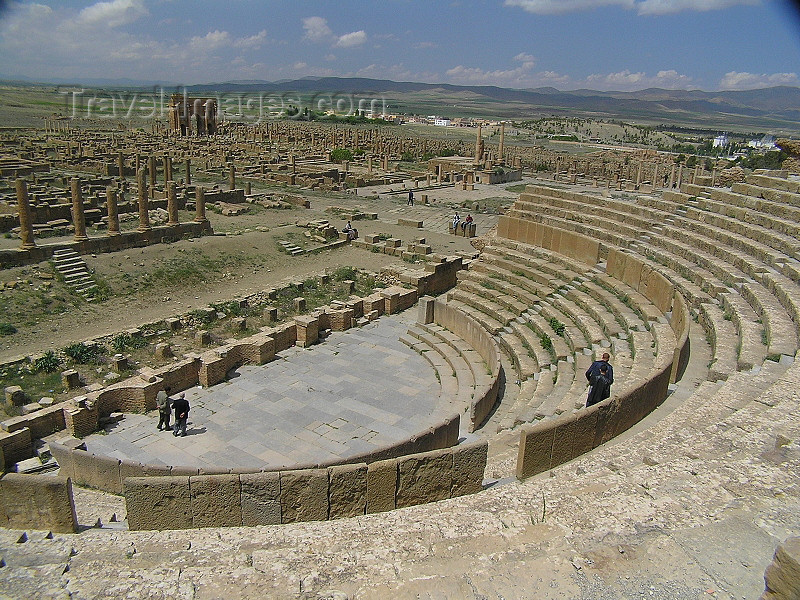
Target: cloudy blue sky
[{"x": 567, "y": 44}]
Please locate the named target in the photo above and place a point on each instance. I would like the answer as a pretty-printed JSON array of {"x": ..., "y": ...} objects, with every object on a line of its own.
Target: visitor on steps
[
  {"x": 601, "y": 387},
  {"x": 594, "y": 369}
]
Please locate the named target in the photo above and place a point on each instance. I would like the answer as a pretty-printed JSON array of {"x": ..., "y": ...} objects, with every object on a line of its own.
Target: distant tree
[
  {"x": 691, "y": 162},
  {"x": 341, "y": 154}
]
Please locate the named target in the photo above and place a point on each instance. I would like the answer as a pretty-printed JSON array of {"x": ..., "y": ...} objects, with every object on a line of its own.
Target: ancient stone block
[
  {"x": 381, "y": 485},
  {"x": 216, "y": 500},
  {"x": 70, "y": 379},
  {"x": 347, "y": 490},
  {"x": 469, "y": 464},
  {"x": 163, "y": 351},
  {"x": 158, "y": 503},
  {"x": 38, "y": 502},
  {"x": 307, "y": 330},
  {"x": 300, "y": 304},
  {"x": 424, "y": 477},
  {"x": 261, "y": 498},
  {"x": 14, "y": 396},
  {"x": 304, "y": 495},
  {"x": 203, "y": 338},
  {"x": 270, "y": 313},
  {"x": 238, "y": 324},
  {"x": 782, "y": 577},
  {"x": 426, "y": 305},
  {"x": 535, "y": 450}
]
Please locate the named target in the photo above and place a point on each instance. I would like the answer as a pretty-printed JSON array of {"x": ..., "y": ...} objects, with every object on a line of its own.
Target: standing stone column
[
  {"x": 167, "y": 169},
  {"x": 144, "y": 218},
  {"x": 172, "y": 204},
  {"x": 151, "y": 163},
  {"x": 188, "y": 171},
  {"x": 113, "y": 213},
  {"x": 672, "y": 176},
  {"x": 680, "y": 175},
  {"x": 501, "y": 149},
  {"x": 121, "y": 165},
  {"x": 77, "y": 210},
  {"x": 232, "y": 177},
  {"x": 200, "y": 202},
  {"x": 656, "y": 183},
  {"x": 478, "y": 147},
  {"x": 25, "y": 221}
]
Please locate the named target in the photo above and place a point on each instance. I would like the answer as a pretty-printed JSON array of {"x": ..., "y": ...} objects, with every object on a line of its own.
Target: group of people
[
  {"x": 458, "y": 222},
  {"x": 600, "y": 376},
  {"x": 166, "y": 406}
]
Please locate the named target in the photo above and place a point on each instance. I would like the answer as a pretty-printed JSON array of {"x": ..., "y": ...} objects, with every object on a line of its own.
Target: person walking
[
  {"x": 411, "y": 198},
  {"x": 164, "y": 406},
  {"x": 600, "y": 387},
  {"x": 594, "y": 369},
  {"x": 181, "y": 407}
]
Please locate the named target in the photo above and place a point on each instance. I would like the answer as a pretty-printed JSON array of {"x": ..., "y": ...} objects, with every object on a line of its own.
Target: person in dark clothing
[
  {"x": 181, "y": 406},
  {"x": 601, "y": 387},
  {"x": 595, "y": 369},
  {"x": 411, "y": 198},
  {"x": 163, "y": 404}
]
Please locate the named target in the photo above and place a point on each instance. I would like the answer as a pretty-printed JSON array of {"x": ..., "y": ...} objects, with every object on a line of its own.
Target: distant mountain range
[{"x": 774, "y": 107}]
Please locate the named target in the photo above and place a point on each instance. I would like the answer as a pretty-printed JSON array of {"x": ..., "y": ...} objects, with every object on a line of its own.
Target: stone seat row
[
  {"x": 461, "y": 371},
  {"x": 558, "y": 385},
  {"x": 706, "y": 285}
]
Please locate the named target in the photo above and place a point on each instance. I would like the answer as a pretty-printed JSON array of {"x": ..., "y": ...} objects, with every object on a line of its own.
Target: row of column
[
  {"x": 79, "y": 222},
  {"x": 167, "y": 162}
]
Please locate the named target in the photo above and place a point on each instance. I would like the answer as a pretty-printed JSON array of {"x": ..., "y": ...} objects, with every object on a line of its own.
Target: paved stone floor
[{"x": 357, "y": 391}]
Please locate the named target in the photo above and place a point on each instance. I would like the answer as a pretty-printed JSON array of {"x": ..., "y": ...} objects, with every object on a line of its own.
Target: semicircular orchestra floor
[{"x": 356, "y": 391}]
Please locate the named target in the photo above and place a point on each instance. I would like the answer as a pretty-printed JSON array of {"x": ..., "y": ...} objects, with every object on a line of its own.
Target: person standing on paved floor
[
  {"x": 411, "y": 198},
  {"x": 164, "y": 406},
  {"x": 181, "y": 406}
]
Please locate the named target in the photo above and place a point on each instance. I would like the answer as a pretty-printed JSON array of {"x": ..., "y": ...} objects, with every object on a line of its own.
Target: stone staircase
[
  {"x": 75, "y": 273},
  {"x": 291, "y": 248}
]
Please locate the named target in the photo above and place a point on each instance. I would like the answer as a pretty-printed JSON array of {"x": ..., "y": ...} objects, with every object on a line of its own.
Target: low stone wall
[
  {"x": 108, "y": 474},
  {"x": 37, "y": 502},
  {"x": 476, "y": 336},
  {"x": 277, "y": 497},
  {"x": 130, "y": 239},
  {"x": 570, "y": 244}
]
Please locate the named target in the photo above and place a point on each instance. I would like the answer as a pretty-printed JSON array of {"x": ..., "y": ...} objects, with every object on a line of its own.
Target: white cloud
[
  {"x": 520, "y": 76},
  {"x": 747, "y": 81},
  {"x": 625, "y": 81},
  {"x": 663, "y": 7},
  {"x": 349, "y": 40},
  {"x": 317, "y": 29},
  {"x": 252, "y": 42},
  {"x": 555, "y": 7},
  {"x": 643, "y": 7},
  {"x": 112, "y": 14},
  {"x": 210, "y": 41}
]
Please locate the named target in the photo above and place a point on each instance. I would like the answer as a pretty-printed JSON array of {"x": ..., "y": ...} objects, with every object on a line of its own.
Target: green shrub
[
  {"x": 48, "y": 363},
  {"x": 124, "y": 341},
  {"x": 84, "y": 354},
  {"x": 546, "y": 342},
  {"x": 7, "y": 329},
  {"x": 557, "y": 326},
  {"x": 345, "y": 273}
]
